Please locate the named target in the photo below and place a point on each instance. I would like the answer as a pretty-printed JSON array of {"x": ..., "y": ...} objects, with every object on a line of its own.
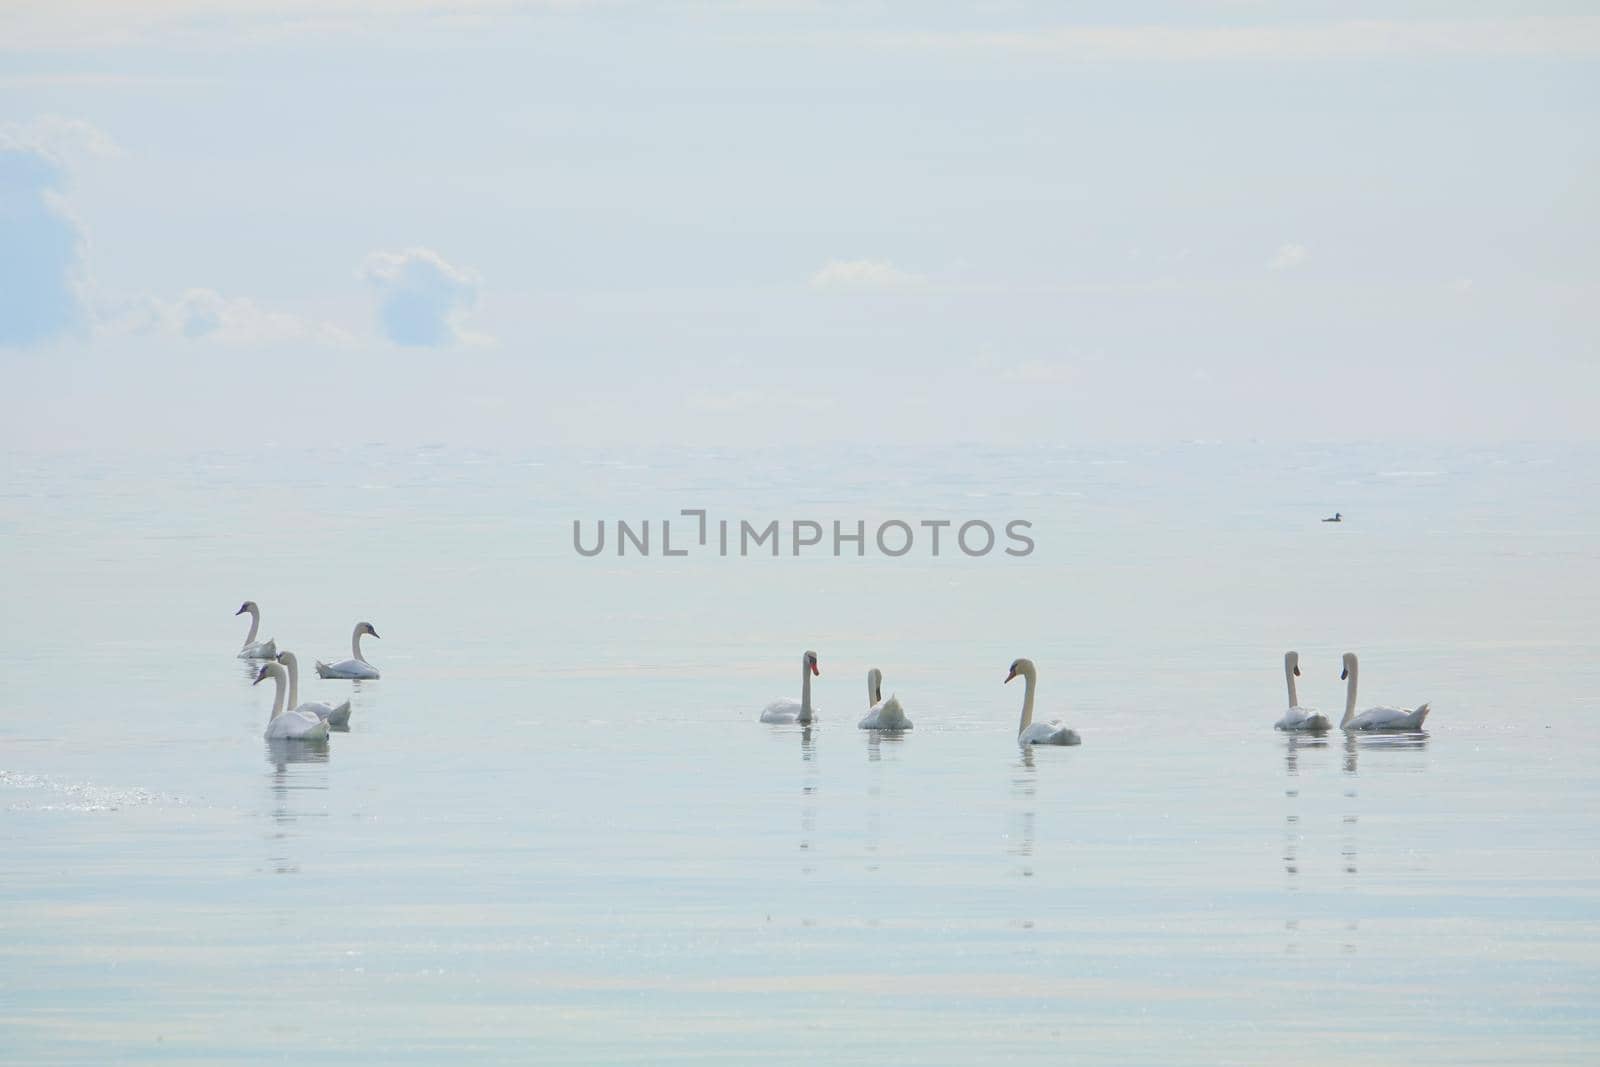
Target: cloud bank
[
  {"x": 41, "y": 246},
  {"x": 421, "y": 297},
  {"x": 1289, "y": 257},
  {"x": 207, "y": 315},
  {"x": 1528, "y": 36},
  {"x": 862, "y": 274}
]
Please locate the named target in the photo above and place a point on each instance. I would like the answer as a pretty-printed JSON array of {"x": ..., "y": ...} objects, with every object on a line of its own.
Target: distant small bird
[{"x": 1335, "y": 517}]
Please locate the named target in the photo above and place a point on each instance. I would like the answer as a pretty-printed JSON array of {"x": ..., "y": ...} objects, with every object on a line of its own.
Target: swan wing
[
  {"x": 1049, "y": 733},
  {"x": 785, "y": 710},
  {"x": 296, "y": 726},
  {"x": 332, "y": 714},
  {"x": 885, "y": 715},
  {"x": 1387, "y": 718},
  {"x": 346, "y": 668},
  {"x": 260, "y": 650},
  {"x": 1298, "y": 718}
]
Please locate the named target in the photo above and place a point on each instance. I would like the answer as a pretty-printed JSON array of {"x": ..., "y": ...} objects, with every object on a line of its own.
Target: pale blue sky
[{"x": 509, "y": 223}]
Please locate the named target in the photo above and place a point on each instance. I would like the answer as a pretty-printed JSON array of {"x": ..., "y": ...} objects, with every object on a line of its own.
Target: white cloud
[
  {"x": 60, "y": 137},
  {"x": 1289, "y": 257},
  {"x": 44, "y": 292},
  {"x": 1577, "y": 35},
  {"x": 756, "y": 402},
  {"x": 1038, "y": 372},
  {"x": 71, "y": 79},
  {"x": 862, "y": 274},
  {"x": 1164, "y": 258},
  {"x": 422, "y": 297},
  {"x": 52, "y": 24},
  {"x": 41, "y": 243},
  {"x": 723, "y": 403},
  {"x": 207, "y": 315}
]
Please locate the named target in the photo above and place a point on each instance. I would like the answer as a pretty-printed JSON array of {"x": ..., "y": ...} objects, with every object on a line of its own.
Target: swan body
[
  {"x": 293, "y": 725},
  {"x": 882, "y": 714},
  {"x": 259, "y": 650},
  {"x": 332, "y": 714},
  {"x": 1386, "y": 718},
  {"x": 356, "y": 666},
  {"x": 1298, "y": 718},
  {"x": 1378, "y": 718},
  {"x": 1037, "y": 733},
  {"x": 1048, "y": 733},
  {"x": 801, "y": 711},
  {"x": 254, "y": 649}
]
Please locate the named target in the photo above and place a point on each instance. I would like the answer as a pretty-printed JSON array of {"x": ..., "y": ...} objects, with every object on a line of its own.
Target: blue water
[{"x": 556, "y": 832}]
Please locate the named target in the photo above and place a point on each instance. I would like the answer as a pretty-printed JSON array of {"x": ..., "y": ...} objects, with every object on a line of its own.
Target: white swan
[
  {"x": 1379, "y": 718},
  {"x": 1028, "y": 731},
  {"x": 254, "y": 649},
  {"x": 355, "y": 667},
  {"x": 882, "y": 714},
  {"x": 334, "y": 714},
  {"x": 796, "y": 711},
  {"x": 1298, "y": 718},
  {"x": 289, "y": 725}
]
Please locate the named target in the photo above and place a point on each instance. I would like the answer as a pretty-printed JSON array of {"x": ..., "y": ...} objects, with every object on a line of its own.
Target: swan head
[
  {"x": 1349, "y": 665},
  {"x": 1024, "y": 667},
  {"x": 875, "y": 685},
  {"x": 1292, "y": 661},
  {"x": 810, "y": 661},
  {"x": 366, "y": 628},
  {"x": 270, "y": 670},
  {"x": 286, "y": 657},
  {"x": 248, "y": 605}
]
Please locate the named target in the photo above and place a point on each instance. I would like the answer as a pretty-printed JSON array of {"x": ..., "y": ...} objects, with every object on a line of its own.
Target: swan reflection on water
[
  {"x": 291, "y": 776},
  {"x": 876, "y": 739},
  {"x": 1025, "y": 788},
  {"x": 1022, "y": 838},
  {"x": 281, "y": 753},
  {"x": 1294, "y": 744},
  {"x": 1304, "y": 746},
  {"x": 1377, "y": 742},
  {"x": 808, "y": 799},
  {"x": 1350, "y": 844}
]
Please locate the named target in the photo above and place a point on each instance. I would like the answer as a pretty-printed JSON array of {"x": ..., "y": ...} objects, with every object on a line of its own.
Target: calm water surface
[{"x": 555, "y": 830}]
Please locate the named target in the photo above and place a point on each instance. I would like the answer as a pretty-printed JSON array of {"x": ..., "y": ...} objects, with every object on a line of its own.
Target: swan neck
[
  {"x": 805, "y": 691},
  {"x": 1349, "y": 696},
  {"x": 277, "y": 696},
  {"x": 1029, "y": 680},
  {"x": 355, "y": 645},
  {"x": 291, "y": 665},
  {"x": 255, "y": 626},
  {"x": 1288, "y": 676}
]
